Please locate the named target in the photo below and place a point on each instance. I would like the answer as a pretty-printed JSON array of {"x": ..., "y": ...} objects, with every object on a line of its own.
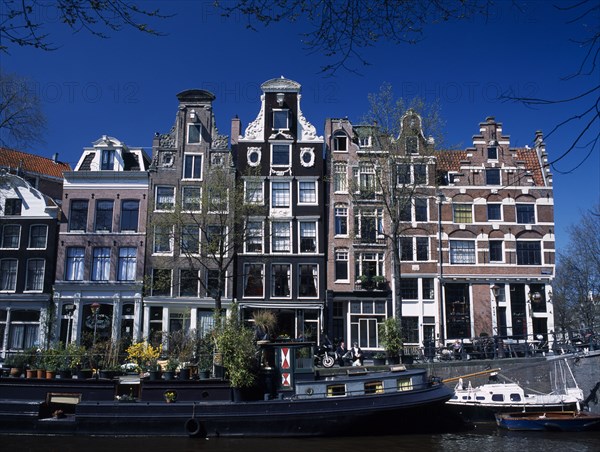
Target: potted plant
[
  {"x": 144, "y": 355},
  {"x": 264, "y": 322},
  {"x": 17, "y": 363},
  {"x": 390, "y": 339},
  {"x": 379, "y": 359},
  {"x": 171, "y": 368},
  {"x": 51, "y": 360},
  {"x": 205, "y": 357},
  {"x": 379, "y": 281}
]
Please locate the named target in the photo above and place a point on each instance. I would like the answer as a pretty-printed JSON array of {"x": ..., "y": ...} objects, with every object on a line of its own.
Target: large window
[
  {"x": 253, "y": 280},
  {"x": 341, "y": 220},
  {"x": 104, "y": 215},
  {"x": 78, "y": 215},
  {"x": 107, "y": 162},
  {"x": 161, "y": 281},
  {"x": 280, "y": 194},
  {"x": 38, "y": 236},
  {"x": 127, "y": 264},
  {"x": 462, "y": 213},
  {"x": 420, "y": 172},
  {"x": 190, "y": 239},
  {"x": 280, "y": 280},
  {"x": 364, "y": 177},
  {"x": 75, "y": 263},
  {"x": 422, "y": 248},
  {"x": 163, "y": 239},
  {"x": 218, "y": 200},
  {"x": 192, "y": 166},
  {"x": 410, "y": 329},
  {"x": 280, "y": 154},
  {"x": 307, "y": 192},
  {"x": 216, "y": 239},
  {"x": 35, "y": 275},
  {"x": 369, "y": 224},
  {"x": 409, "y": 288},
  {"x": 11, "y": 234},
  {"x": 421, "y": 209},
  {"x": 462, "y": 252},
  {"x": 254, "y": 237},
  {"x": 253, "y": 191},
  {"x": 340, "y": 143},
  {"x": 24, "y": 329},
  {"x": 8, "y": 275},
  {"x": 529, "y": 252},
  {"x": 190, "y": 199},
  {"x": 341, "y": 265},
  {"x": 414, "y": 248},
  {"x": 525, "y": 213},
  {"x": 130, "y": 212},
  {"x": 308, "y": 236},
  {"x": 340, "y": 177},
  {"x": 165, "y": 198},
  {"x": 280, "y": 233},
  {"x": 101, "y": 264},
  {"x": 308, "y": 280},
  {"x": 369, "y": 264}
]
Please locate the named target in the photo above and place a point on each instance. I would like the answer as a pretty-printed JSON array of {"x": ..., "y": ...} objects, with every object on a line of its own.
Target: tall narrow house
[{"x": 279, "y": 163}]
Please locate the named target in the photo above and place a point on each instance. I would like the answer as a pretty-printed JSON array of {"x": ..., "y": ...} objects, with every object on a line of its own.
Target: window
[
  {"x": 194, "y": 133},
  {"x": 529, "y": 253},
  {"x": 38, "y": 236},
  {"x": 8, "y": 275},
  {"x": 421, "y": 209},
  {"x": 412, "y": 145},
  {"x": 280, "y": 154},
  {"x": 78, "y": 215},
  {"x": 12, "y": 206},
  {"x": 462, "y": 213},
  {"x": 188, "y": 283},
  {"x": 216, "y": 237},
  {"x": 420, "y": 171},
  {"x": 374, "y": 387},
  {"x": 428, "y": 290},
  {"x": 130, "y": 212},
  {"x": 525, "y": 213},
  {"x": 213, "y": 286},
  {"x": 161, "y": 281},
  {"x": 35, "y": 275},
  {"x": 74, "y": 264},
  {"x": 492, "y": 153},
  {"x": 190, "y": 239},
  {"x": 253, "y": 280},
  {"x": 462, "y": 252},
  {"x": 422, "y": 248},
  {"x": 281, "y": 119},
  {"x": 101, "y": 264},
  {"x": 403, "y": 174},
  {"x": 407, "y": 174},
  {"x": 341, "y": 266},
  {"x": 492, "y": 176},
  {"x": 307, "y": 192},
  {"x": 253, "y": 191},
  {"x": 340, "y": 143},
  {"x": 280, "y": 280},
  {"x": 280, "y": 194},
  {"x": 341, "y": 220},
  {"x": 24, "y": 329},
  {"x": 409, "y": 288},
  {"x": 340, "y": 177},
  {"x": 364, "y": 142},
  {"x": 165, "y": 198},
  {"x": 308, "y": 276},
  {"x": 218, "y": 199},
  {"x": 369, "y": 224},
  {"x": 127, "y": 264},
  {"x": 364, "y": 176},
  {"x": 254, "y": 237},
  {"x": 494, "y": 212},
  {"x": 163, "y": 242},
  {"x": 336, "y": 390},
  {"x": 406, "y": 249},
  {"x": 405, "y": 210},
  {"x": 191, "y": 199},
  {"x": 308, "y": 237},
  {"x": 107, "y": 162},
  {"x": 410, "y": 329},
  {"x": 496, "y": 251},
  {"x": 104, "y": 215},
  {"x": 11, "y": 234},
  {"x": 192, "y": 166},
  {"x": 280, "y": 232},
  {"x": 369, "y": 264},
  {"x": 405, "y": 384}
]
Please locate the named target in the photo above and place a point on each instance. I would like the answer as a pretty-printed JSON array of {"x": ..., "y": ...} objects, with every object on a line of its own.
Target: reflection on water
[{"x": 481, "y": 439}]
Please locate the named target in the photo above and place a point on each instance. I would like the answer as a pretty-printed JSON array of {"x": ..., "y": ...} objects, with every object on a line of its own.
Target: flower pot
[
  {"x": 41, "y": 373},
  {"x": 393, "y": 360},
  {"x": 168, "y": 375},
  {"x": 184, "y": 374},
  {"x": 204, "y": 374},
  {"x": 378, "y": 361},
  {"x": 30, "y": 373},
  {"x": 50, "y": 374},
  {"x": 16, "y": 371},
  {"x": 65, "y": 374},
  {"x": 84, "y": 373},
  {"x": 155, "y": 374}
]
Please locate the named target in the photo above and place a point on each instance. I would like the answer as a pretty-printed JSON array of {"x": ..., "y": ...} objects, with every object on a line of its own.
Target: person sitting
[
  {"x": 357, "y": 355},
  {"x": 342, "y": 354}
]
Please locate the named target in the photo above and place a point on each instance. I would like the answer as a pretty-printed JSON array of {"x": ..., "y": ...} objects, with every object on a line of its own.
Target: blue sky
[{"x": 126, "y": 86}]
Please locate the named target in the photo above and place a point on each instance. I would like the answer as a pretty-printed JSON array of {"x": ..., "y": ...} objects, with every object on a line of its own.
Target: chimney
[
  {"x": 55, "y": 157},
  {"x": 236, "y": 129}
]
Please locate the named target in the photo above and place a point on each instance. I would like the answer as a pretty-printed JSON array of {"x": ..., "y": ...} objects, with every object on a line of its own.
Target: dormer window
[
  {"x": 340, "y": 143},
  {"x": 107, "y": 162},
  {"x": 492, "y": 152},
  {"x": 364, "y": 142},
  {"x": 281, "y": 119},
  {"x": 412, "y": 145}
]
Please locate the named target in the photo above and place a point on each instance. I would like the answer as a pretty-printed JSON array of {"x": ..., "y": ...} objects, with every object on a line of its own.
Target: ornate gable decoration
[
  {"x": 256, "y": 128},
  {"x": 280, "y": 85},
  {"x": 306, "y": 131}
]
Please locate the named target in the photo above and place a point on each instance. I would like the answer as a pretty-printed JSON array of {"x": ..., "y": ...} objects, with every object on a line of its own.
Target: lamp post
[
  {"x": 69, "y": 309},
  {"x": 441, "y": 199},
  {"x": 498, "y": 349},
  {"x": 95, "y": 308}
]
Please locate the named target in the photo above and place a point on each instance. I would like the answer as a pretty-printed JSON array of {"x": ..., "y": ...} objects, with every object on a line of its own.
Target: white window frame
[
  {"x": 461, "y": 258},
  {"x": 316, "y": 236},
  {"x": 456, "y": 209},
  {"x": 218, "y": 201},
  {"x": 289, "y": 194},
  {"x": 45, "y": 227},
  {"x": 315, "y": 275},
  {"x": 342, "y": 208},
  {"x": 281, "y": 237},
  {"x": 183, "y": 248},
  {"x": 365, "y": 142},
  {"x": 154, "y": 241},
  {"x": 185, "y": 198},
  {"x": 316, "y": 192},
  {"x": 338, "y": 255},
  {"x": 75, "y": 265},
  {"x": 262, "y": 276},
  {"x": 171, "y": 204},
  {"x": 5, "y": 228},
  {"x": 127, "y": 263},
  {"x": 38, "y": 276},
  {"x": 194, "y": 156},
  {"x": 260, "y": 236},
  {"x": 340, "y": 177},
  {"x": 336, "y": 142},
  {"x": 282, "y": 165},
  {"x": 251, "y": 196},
  {"x": 287, "y": 118},
  {"x": 289, "y": 281},
  {"x": 189, "y": 127},
  {"x": 100, "y": 264},
  {"x": 8, "y": 281}
]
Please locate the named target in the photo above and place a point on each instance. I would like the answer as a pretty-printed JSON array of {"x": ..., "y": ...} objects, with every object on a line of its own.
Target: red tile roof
[
  {"x": 31, "y": 163},
  {"x": 532, "y": 163}
]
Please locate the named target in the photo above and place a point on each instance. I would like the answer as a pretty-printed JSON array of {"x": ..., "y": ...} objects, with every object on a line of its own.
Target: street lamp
[
  {"x": 498, "y": 349},
  {"x": 441, "y": 199},
  {"x": 95, "y": 308},
  {"x": 69, "y": 309}
]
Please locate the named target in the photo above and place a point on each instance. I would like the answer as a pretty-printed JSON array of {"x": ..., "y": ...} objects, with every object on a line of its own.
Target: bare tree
[
  {"x": 22, "y": 21},
  {"x": 22, "y": 121}
]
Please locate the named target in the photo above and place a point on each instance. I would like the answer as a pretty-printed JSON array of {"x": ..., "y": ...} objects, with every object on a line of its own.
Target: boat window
[
  {"x": 405, "y": 384},
  {"x": 336, "y": 390},
  {"x": 479, "y": 397},
  {"x": 498, "y": 397},
  {"x": 515, "y": 397},
  {"x": 374, "y": 387}
]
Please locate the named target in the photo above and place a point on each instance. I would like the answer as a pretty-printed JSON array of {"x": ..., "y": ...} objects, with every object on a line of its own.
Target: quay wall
[{"x": 538, "y": 374}]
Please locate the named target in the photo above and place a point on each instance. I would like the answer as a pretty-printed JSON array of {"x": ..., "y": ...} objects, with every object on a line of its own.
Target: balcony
[{"x": 371, "y": 283}]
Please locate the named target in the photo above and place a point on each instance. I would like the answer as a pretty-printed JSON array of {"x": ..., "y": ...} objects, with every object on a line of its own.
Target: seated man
[{"x": 357, "y": 355}]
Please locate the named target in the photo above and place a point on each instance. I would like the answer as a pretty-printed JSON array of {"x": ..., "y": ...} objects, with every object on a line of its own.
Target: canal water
[{"x": 481, "y": 439}]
